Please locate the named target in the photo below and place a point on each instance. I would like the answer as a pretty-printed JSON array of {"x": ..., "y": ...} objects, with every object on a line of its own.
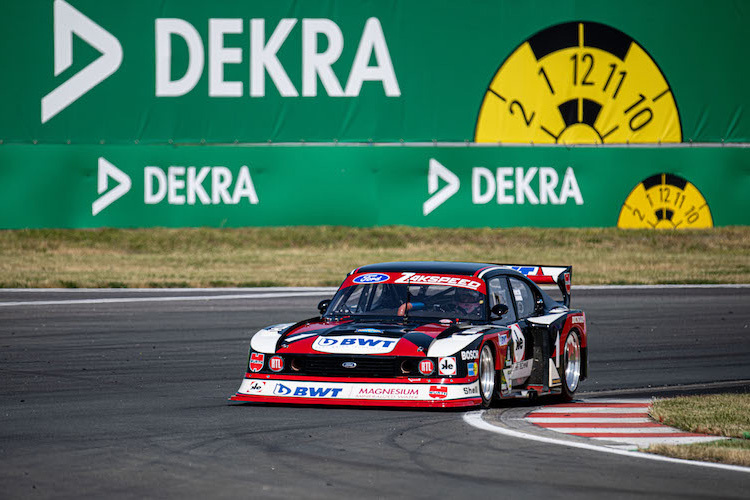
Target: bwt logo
[
  {"x": 307, "y": 391},
  {"x": 328, "y": 341},
  {"x": 354, "y": 344}
]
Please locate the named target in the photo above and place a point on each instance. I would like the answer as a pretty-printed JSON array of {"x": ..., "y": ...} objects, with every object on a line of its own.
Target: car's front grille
[{"x": 330, "y": 366}]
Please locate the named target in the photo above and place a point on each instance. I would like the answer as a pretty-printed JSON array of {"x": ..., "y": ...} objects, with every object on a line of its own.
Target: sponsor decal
[
  {"x": 511, "y": 186},
  {"x": 388, "y": 392},
  {"x": 472, "y": 369},
  {"x": 205, "y": 59},
  {"x": 436, "y": 173},
  {"x": 276, "y": 363},
  {"x": 592, "y": 84},
  {"x": 554, "y": 375},
  {"x": 665, "y": 201},
  {"x": 438, "y": 391},
  {"x": 430, "y": 279},
  {"x": 67, "y": 21},
  {"x": 177, "y": 185},
  {"x": 502, "y": 339},
  {"x": 349, "y": 364},
  {"x": 472, "y": 390},
  {"x": 577, "y": 319},
  {"x": 470, "y": 354},
  {"x": 368, "y": 330},
  {"x": 256, "y": 386},
  {"x": 354, "y": 344},
  {"x": 447, "y": 365},
  {"x": 426, "y": 366},
  {"x": 518, "y": 343},
  {"x": 566, "y": 277},
  {"x": 108, "y": 196},
  {"x": 519, "y": 370},
  {"x": 371, "y": 278},
  {"x": 256, "y": 361},
  {"x": 307, "y": 391}
]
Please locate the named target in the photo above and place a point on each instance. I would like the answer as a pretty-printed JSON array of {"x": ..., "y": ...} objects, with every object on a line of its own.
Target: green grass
[
  {"x": 725, "y": 415},
  {"x": 734, "y": 451},
  {"x": 716, "y": 414},
  {"x": 322, "y": 255}
]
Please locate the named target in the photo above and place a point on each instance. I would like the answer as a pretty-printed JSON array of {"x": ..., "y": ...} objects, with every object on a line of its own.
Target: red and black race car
[{"x": 434, "y": 334}]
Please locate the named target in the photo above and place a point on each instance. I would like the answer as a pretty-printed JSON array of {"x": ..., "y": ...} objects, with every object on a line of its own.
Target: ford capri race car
[{"x": 435, "y": 334}]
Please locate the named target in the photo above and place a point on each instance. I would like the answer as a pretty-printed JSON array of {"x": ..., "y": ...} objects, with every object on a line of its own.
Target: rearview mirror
[
  {"x": 323, "y": 306},
  {"x": 499, "y": 310}
]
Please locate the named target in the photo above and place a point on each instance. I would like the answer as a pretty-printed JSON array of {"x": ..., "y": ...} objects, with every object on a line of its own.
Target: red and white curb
[
  {"x": 620, "y": 421},
  {"x": 598, "y": 443}
]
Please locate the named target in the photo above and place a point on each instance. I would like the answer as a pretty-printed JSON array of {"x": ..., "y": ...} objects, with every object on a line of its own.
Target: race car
[{"x": 426, "y": 334}]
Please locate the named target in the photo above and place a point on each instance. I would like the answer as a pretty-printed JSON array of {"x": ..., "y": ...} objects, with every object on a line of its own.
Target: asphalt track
[{"x": 128, "y": 399}]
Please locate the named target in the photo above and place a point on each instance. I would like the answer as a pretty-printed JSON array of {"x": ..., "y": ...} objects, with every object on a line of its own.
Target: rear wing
[{"x": 548, "y": 275}]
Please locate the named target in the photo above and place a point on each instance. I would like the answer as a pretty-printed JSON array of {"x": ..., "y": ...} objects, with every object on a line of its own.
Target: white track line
[
  {"x": 585, "y": 420},
  {"x": 475, "y": 419},
  {"x": 174, "y": 290},
  {"x": 121, "y": 300},
  {"x": 592, "y": 409}
]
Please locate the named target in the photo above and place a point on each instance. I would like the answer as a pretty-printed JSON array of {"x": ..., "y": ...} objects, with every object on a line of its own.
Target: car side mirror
[
  {"x": 323, "y": 306},
  {"x": 539, "y": 305},
  {"x": 499, "y": 310}
]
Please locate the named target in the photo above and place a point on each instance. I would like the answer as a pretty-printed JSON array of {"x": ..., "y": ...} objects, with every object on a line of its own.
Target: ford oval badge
[
  {"x": 370, "y": 278},
  {"x": 349, "y": 364}
]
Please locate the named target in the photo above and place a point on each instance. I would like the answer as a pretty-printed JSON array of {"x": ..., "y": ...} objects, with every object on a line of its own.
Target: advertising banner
[
  {"x": 231, "y": 186},
  {"x": 88, "y": 72}
]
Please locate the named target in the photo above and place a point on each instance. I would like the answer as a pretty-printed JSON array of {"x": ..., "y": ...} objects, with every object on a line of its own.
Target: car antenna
[{"x": 408, "y": 299}]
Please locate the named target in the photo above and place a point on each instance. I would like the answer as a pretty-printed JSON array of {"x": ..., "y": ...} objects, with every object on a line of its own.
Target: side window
[
  {"x": 524, "y": 298},
  {"x": 500, "y": 294}
]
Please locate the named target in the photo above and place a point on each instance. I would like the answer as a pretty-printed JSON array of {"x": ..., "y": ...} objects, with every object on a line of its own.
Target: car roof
[{"x": 436, "y": 267}]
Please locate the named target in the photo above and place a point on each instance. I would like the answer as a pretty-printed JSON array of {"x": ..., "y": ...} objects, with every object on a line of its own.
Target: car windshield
[{"x": 389, "y": 300}]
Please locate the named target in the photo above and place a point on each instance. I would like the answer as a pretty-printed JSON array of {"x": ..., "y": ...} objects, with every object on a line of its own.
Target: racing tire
[
  {"x": 487, "y": 376},
  {"x": 571, "y": 366}
]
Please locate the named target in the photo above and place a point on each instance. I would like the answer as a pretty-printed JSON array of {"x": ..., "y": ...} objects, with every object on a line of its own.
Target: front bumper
[{"x": 435, "y": 393}]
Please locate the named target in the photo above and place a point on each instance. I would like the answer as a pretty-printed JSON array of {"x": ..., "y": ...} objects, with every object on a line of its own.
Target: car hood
[{"x": 368, "y": 338}]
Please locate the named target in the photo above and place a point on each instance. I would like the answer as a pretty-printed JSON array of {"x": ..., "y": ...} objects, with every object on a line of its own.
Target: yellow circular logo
[
  {"x": 665, "y": 201},
  {"x": 579, "y": 83}
]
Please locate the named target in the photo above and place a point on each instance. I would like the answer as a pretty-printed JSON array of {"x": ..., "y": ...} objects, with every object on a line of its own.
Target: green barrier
[
  {"x": 190, "y": 71},
  {"x": 190, "y": 186}
]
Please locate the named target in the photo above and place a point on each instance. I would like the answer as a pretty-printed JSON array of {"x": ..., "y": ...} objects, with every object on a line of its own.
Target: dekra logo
[
  {"x": 177, "y": 185},
  {"x": 263, "y": 58}
]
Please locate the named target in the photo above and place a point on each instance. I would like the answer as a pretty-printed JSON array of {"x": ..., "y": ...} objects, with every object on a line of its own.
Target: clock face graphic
[
  {"x": 665, "y": 201},
  {"x": 579, "y": 83}
]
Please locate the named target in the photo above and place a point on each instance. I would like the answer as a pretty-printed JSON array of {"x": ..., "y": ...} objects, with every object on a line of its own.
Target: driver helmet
[{"x": 468, "y": 300}]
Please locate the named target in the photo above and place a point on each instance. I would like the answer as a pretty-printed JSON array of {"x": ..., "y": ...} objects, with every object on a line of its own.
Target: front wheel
[
  {"x": 571, "y": 366},
  {"x": 486, "y": 376}
]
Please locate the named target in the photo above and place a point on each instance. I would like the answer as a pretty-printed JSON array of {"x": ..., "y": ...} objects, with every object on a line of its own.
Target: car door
[{"x": 525, "y": 300}]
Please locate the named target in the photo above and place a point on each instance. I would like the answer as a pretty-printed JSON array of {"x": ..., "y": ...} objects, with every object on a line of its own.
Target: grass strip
[
  {"x": 733, "y": 452},
  {"x": 725, "y": 415},
  {"x": 322, "y": 255}
]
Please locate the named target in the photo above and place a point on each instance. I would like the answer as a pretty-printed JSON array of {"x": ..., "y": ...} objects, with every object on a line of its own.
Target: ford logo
[
  {"x": 349, "y": 364},
  {"x": 370, "y": 278}
]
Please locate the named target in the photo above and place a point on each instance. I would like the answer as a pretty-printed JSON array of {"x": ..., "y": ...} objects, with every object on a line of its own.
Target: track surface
[{"x": 129, "y": 400}]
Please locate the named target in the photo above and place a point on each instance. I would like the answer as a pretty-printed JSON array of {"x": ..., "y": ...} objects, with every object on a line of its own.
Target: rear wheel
[
  {"x": 486, "y": 376},
  {"x": 571, "y": 366}
]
